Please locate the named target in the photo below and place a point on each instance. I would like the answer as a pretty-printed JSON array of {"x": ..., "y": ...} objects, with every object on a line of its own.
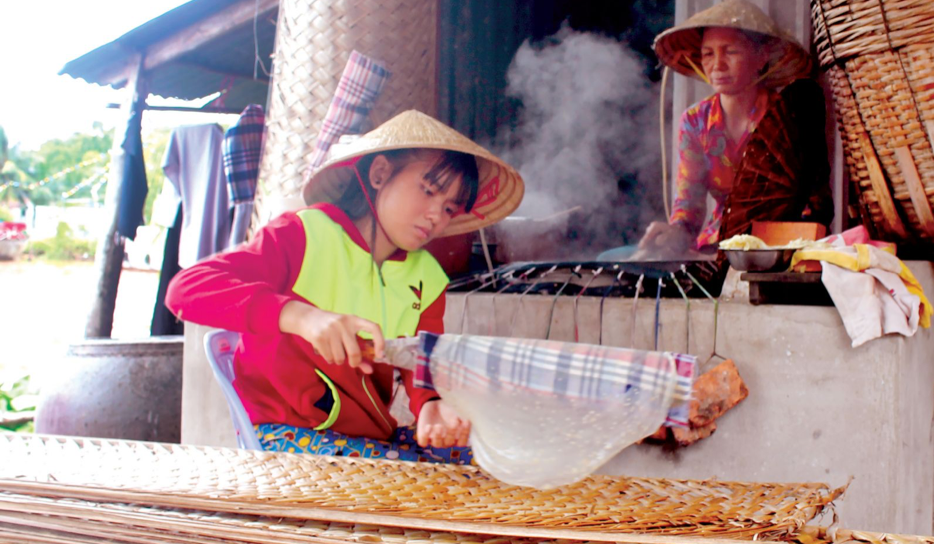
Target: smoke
[{"x": 587, "y": 135}]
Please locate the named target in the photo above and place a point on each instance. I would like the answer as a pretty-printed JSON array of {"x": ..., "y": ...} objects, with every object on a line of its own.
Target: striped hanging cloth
[
  {"x": 357, "y": 90},
  {"x": 547, "y": 413}
]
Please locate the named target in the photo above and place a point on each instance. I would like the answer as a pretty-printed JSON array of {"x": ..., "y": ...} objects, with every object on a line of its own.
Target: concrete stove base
[{"x": 818, "y": 409}]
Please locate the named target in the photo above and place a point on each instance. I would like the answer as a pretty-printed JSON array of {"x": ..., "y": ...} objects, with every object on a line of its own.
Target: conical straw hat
[
  {"x": 679, "y": 46},
  {"x": 501, "y": 187}
]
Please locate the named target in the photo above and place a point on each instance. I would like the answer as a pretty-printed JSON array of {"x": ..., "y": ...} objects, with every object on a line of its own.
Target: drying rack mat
[
  {"x": 26, "y": 519},
  {"x": 410, "y": 496}
]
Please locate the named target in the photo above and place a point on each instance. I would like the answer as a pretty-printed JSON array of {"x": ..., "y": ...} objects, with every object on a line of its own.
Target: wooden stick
[
  {"x": 919, "y": 198},
  {"x": 880, "y": 187},
  {"x": 15, "y": 421}
]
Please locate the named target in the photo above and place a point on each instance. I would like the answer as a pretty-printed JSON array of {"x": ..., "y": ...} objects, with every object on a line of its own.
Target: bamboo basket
[
  {"x": 314, "y": 39},
  {"x": 880, "y": 58},
  {"x": 404, "y": 495}
]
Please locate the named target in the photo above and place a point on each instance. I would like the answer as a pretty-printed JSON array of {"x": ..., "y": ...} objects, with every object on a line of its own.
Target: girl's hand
[
  {"x": 334, "y": 336},
  {"x": 440, "y": 426}
]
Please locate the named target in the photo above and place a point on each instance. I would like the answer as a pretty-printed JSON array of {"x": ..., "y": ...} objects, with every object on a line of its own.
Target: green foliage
[
  {"x": 64, "y": 164},
  {"x": 4, "y": 148},
  {"x": 58, "y": 159},
  {"x": 154, "y": 144},
  {"x": 5, "y": 214},
  {"x": 64, "y": 247},
  {"x": 17, "y": 402}
]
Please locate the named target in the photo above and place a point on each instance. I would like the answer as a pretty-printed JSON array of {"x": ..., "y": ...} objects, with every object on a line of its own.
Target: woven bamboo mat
[
  {"x": 400, "y": 494},
  {"x": 88, "y": 516},
  {"x": 826, "y": 535},
  {"x": 72, "y": 520},
  {"x": 79, "y": 520}
]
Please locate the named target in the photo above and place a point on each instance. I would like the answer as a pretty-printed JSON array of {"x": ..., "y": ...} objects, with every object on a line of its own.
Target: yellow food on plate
[
  {"x": 748, "y": 241},
  {"x": 743, "y": 241},
  {"x": 802, "y": 243}
]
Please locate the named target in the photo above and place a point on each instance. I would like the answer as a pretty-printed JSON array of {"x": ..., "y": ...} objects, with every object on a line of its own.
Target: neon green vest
[{"x": 339, "y": 276}]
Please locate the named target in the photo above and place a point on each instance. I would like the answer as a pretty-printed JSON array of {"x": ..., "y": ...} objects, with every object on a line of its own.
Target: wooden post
[{"x": 110, "y": 248}]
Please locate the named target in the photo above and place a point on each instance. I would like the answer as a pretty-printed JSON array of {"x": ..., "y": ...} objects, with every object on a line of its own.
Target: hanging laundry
[
  {"x": 193, "y": 163},
  {"x": 360, "y": 84},
  {"x": 164, "y": 322},
  {"x": 243, "y": 146},
  {"x": 133, "y": 190}
]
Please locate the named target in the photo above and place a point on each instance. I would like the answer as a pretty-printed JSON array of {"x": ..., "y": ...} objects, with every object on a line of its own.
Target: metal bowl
[{"x": 760, "y": 260}]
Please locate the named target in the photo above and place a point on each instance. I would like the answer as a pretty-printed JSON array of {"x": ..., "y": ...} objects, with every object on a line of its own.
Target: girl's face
[
  {"x": 412, "y": 209},
  {"x": 730, "y": 60}
]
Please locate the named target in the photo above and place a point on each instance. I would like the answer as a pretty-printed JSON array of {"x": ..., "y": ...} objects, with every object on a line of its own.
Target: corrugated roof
[{"x": 192, "y": 51}]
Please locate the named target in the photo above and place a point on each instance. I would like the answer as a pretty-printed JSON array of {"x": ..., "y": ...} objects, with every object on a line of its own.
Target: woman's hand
[
  {"x": 440, "y": 426},
  {"x": 665, "y": 238},
  {"x": 334, "y": 336}
]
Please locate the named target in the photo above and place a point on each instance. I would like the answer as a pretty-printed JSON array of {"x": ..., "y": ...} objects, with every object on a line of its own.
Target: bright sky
[{"x": 37, "y": 38}]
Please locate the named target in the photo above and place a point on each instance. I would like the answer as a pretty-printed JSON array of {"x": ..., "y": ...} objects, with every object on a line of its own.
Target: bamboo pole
[{"x": 110, "y": 248}]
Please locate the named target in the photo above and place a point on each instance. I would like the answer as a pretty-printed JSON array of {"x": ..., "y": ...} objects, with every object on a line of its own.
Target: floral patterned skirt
[{"x": 402, "y": 446}]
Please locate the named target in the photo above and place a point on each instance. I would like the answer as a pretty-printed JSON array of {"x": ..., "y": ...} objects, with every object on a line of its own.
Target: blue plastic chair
[{"x": 219, "y": 346}]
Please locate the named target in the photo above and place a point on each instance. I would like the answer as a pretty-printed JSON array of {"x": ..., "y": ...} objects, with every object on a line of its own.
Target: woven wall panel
[{"x": 314, "y": 39}]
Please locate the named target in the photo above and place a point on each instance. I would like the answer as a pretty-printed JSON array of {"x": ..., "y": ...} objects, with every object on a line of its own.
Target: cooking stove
[{"x": 664, "y": 279}]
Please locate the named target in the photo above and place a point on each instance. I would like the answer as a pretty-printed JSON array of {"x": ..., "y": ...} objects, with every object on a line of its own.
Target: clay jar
[{"x": 116, "y": 389}]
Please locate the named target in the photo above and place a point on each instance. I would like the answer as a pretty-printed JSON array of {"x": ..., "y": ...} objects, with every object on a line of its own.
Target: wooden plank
[
  {"x": 208, "y": 29},
  {"x": 781, "y": 277},
  {"x": 919, "y": 197},
  {"x": 110, "y": 249},
  {"x": 881, "y": 187}
]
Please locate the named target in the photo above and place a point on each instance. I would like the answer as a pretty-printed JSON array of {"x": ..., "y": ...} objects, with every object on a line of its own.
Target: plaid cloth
[
  {"x": 243, "y": 144},
  {"x": 558, "y": 368},
  {"x": 360, "y": 84}
]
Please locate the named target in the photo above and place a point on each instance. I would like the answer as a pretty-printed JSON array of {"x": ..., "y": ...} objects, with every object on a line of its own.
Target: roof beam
[
  {"x": 260, "y": 75},
  {"x": 201, "y": 33}
]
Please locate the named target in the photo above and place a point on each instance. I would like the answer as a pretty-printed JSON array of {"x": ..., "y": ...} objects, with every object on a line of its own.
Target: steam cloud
[{"x": 587, "y": 136}]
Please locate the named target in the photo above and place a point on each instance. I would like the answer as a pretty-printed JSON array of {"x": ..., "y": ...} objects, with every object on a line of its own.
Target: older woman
[{"x": 746, "y": 59}]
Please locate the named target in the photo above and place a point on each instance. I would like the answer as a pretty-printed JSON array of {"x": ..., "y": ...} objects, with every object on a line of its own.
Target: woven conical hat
[
  {"x": 788, "y": 61},
  {"x": 501, "y": 187}
]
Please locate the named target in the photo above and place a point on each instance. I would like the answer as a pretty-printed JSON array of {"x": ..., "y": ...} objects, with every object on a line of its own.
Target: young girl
[{"x": 351, "y": 265}]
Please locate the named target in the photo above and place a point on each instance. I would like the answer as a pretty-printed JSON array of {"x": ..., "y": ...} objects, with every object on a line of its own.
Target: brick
[
  {"x": 715, "y": 392},
  {"x": 686, "y": 437},
  {"x": 777, "y": 233}
]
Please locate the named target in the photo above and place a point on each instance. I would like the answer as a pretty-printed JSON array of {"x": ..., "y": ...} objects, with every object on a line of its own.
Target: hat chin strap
[
  {"x": 766, "y": 74},
  {"x": 369, "y": 202},
  {"x": 703, "y": 76},
  {"x": 697, "y": 70}
]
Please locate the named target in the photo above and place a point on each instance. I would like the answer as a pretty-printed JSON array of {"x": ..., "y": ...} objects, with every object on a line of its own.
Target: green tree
[
  {"x": 154, "y": 144},
  {"x": 64, "y": 164},
  {"x": 12, "y": 177},
  {"x": 4, "y": 148}
]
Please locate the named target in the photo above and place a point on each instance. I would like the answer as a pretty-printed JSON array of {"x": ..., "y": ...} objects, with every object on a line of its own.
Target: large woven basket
[
  {"x": 314, "y": 39},
  {"x": 880, "y": 58}
]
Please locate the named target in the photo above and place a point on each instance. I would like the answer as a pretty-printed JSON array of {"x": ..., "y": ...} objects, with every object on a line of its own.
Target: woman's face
[
  {"x": 730, "y": 60},
  {"x": 413, "y": 210}
]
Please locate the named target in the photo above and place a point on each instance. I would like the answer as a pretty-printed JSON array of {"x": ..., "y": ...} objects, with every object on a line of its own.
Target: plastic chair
[{"x": 219, "y": 346}]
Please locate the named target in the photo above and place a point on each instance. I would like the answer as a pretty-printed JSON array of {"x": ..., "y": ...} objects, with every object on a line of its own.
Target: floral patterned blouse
[{"x": 708, "y": 161}]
